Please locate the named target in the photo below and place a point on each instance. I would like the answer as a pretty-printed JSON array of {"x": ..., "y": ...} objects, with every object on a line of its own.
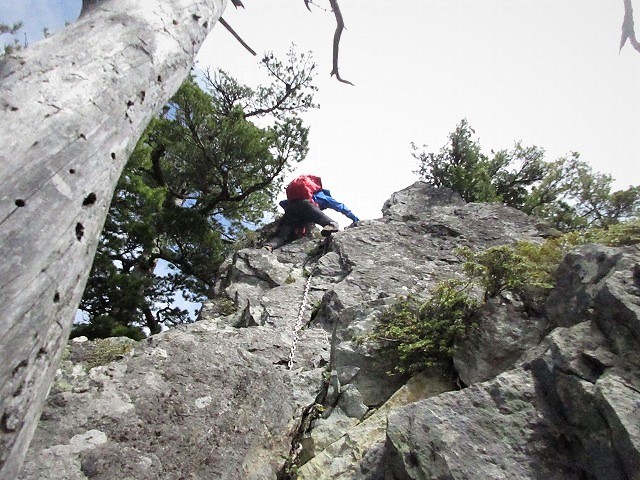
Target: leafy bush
[
  {"x": 104, "y": 327},
  {"x": 565, "y": 192},
  {"x": 624, "y": 233},
  {"x": 421, "y": 334},
  {"x": 496, "y": 269},
  {"x": 514, "y": 268},
  {"x": 524, "y": 265}
]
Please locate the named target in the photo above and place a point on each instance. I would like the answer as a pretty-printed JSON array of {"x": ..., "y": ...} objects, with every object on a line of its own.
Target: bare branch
[
  {"x": 224, "y": 23},
  {"x": 336, "y": 40},
  {"x": 627, "y": 27}
]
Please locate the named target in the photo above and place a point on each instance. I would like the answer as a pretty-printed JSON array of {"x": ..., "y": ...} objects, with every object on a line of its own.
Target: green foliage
[
  {"x": 519, "y": 267},
  {"x": 538, "y": 263},
  {"x": 290, "y": 469},
  {"x": 625, "y": 233},
  {"x": 513, "y": 268},
  {"x": 496, "y": 269},
  {"x": 226, "y": 306},
  {"x": 105, "y": 327},
  {"x": 202, "y": 174},
  {"x": 565, "y": 192},
  {"x": 459, "y": 166},
  {"x": 421, "y": 334}
]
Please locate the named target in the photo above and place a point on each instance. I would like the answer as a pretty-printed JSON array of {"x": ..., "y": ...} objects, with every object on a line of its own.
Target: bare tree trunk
[{"x": 72, "y": 108}]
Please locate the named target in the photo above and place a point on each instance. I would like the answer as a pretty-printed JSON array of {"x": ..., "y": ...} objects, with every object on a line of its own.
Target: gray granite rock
[
  {"x": 505, "y": 331},
  {"x": 553, "y": 394},
  {"x": 567, "y": 409}
]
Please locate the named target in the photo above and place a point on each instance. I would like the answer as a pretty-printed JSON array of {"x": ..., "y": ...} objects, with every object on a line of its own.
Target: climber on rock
[{"x": 303, "y": 209}]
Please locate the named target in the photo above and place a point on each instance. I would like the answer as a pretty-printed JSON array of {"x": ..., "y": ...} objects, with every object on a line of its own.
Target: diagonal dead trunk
[{"x": 73, "y": 107}]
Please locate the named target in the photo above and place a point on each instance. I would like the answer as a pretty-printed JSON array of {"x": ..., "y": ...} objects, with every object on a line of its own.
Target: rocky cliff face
[{"x": 554, "y": 395}]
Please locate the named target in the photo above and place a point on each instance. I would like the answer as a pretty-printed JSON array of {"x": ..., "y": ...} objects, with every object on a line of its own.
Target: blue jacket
[{"x": 324, "y": 200}]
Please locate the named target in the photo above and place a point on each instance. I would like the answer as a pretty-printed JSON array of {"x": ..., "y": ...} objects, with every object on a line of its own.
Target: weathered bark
[{"x": 72, "y": 108}]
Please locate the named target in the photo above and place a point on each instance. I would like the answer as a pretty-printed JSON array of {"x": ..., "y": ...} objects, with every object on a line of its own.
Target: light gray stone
[
  {"x": 553, "y": 395},
  {"x": 490, "y": 430},
  {"x": 504, "y": 332}
]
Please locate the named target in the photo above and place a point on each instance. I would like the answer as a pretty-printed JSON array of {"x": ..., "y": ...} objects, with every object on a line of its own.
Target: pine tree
[
  {"x": 566, "y": 192},
  {"x": 199, "y": 175}
]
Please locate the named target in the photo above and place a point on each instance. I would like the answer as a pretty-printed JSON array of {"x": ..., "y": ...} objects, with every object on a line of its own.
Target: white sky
[{"x": 546, "y": 72}]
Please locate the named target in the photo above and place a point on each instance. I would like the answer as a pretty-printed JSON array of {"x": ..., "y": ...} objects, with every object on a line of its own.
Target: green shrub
[
  {"x": 514, "y": 268},
  {"x": 421, "y": 334},
  {"x": 105, "y": 326},
  {"x": 620, "y": 234},
  {"x": 523, "y": 265},
  {"x": 496, "y": 269}
]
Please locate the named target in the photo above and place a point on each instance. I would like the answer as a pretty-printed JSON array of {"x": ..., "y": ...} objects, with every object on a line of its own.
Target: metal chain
[{"x": 299, "y": 323}]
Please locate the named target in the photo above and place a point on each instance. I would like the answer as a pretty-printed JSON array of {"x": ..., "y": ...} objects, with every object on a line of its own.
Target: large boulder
[
  {"x": 505, "y": 331},
  {"x": 567, "y": 409},
  {"x": 279, "y": 376},
  {"x": 197, "y": 402}
]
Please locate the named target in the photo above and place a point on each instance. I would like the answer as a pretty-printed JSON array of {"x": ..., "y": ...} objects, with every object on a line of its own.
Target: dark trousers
[{"x": 298, "y": 215}]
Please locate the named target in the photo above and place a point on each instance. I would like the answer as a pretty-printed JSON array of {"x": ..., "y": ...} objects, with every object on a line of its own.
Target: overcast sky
[{"x": 546, "y": 72}]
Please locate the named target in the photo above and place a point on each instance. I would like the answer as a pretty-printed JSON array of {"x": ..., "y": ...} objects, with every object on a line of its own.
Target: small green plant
[
  {"x": 496, "y": 269},
  {"x": 319, "y": 409},
  {"x": 315, "y": 309},
  {"x": 225, "y": 305},
  {"x": 14, "y": 45},
  {"x": 525, "y": 264},
  {"x": 105, "y": 326},
  {"x": 421, "y": 334},
  {"x": 290, "y": 469},
  {"x": 106, "y": 351},
  {"x": 513, "y": 268},
  {"x": 620, "y": 234}
]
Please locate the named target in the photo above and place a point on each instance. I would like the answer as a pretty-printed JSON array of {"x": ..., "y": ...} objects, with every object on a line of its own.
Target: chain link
[
  {"x": 299, "y": 323},
  {"x": 303, "y": 304}
]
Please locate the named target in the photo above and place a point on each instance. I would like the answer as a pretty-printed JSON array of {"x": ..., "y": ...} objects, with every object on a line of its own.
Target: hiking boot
[{"x": 327, "y": 230}]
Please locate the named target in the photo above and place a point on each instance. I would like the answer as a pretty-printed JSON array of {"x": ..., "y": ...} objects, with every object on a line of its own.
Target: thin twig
[
  {"x": 237, "y": 37},
  {"x": 336, "y": 40}
]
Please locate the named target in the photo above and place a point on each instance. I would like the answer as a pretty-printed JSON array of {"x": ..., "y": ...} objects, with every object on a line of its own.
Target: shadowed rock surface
[{"x": 551, "y": 395}]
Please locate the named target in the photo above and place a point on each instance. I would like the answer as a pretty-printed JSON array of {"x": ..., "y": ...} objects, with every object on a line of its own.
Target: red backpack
[{"x": 303, "y": 187}]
